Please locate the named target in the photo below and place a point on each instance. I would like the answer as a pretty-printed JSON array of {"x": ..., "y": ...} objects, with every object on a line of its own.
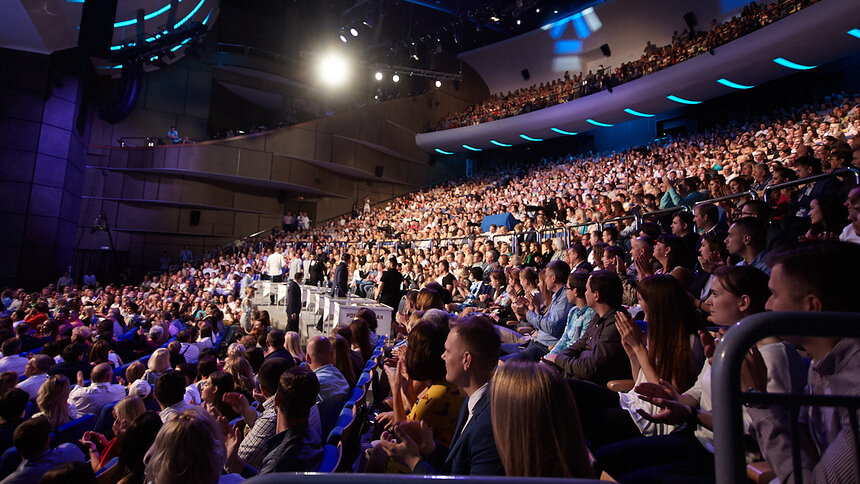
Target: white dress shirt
[{"x": 92, "y": 398}]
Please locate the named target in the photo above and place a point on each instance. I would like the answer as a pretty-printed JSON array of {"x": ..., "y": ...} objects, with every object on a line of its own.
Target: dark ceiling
[{"x": 389, "y": 31}]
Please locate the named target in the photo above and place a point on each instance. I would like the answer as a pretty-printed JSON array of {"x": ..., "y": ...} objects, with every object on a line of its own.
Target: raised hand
[
  {"x": 753, "y": 372},
  {"x": 672, "y": 413},
  {"x": 632, "y": 337},
  {"x": 663, "y": 390},
  {"x": 643, "y": 266}
]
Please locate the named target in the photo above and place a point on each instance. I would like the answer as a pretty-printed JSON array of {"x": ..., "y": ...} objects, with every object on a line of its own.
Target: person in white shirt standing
[
  {"x": 100, "y": 392},
  {"x": 275, "y": 270}
]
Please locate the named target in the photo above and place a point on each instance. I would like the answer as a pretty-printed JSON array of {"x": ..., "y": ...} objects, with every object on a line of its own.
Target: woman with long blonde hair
[
  {"x": 53, "y": 401},
  {"x": 535, "y": 422},
  {"x": 124, "y": 413},
  {"x": 188, "y": 449},
  {"x": 293, "y": 344}
]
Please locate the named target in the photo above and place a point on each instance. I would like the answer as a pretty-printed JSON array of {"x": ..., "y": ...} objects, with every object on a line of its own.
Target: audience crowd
[
  {"x": 510, "y": 346},
  {"x": 689, "y": 43}
]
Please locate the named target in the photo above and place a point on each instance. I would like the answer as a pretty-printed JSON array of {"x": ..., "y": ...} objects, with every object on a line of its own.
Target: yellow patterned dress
[{"x": 439, "y": 407}]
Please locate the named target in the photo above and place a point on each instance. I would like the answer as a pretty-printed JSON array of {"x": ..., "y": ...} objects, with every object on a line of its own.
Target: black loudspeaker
[
  {"x": 124, "y": 94},
  {"x": 378, "y": 171},
  {"x": 605, "y": 49},
  {"x": 690, "y": 19},
  {"x": 526, "y": 75},
  {"x": 195, "y": 218},
  {"x": 96, "y": 34},
  {"x": 282, "y": 197}
]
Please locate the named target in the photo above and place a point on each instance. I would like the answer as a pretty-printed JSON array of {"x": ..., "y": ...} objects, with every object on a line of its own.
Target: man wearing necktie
[{"x": 471, "y": 354}]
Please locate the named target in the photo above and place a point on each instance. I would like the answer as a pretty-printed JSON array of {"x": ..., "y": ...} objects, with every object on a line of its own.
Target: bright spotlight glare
[
  {"x": 343, "y": 38},
  {"x": 438, "y": 83},
  {"x": 378, "y": 76},
  {"x": 333, "y": 69},
  {"x": 354, "y": 32},
  {"x": 519, "y": 22},
  {"x": 395, "y": 78}
]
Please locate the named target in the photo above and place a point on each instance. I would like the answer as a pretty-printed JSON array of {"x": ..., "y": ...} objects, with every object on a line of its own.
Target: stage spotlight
[
  {"x": 519, "y": 22},
  {"x": 333, "y": 69},
  {"x": 378, "y": 76},
  {"x": 438, "y": 83},
  {"x": 353, "y": 32},
  {"x": 343, "y": 38},
  {"x": 395, "y": 78}
]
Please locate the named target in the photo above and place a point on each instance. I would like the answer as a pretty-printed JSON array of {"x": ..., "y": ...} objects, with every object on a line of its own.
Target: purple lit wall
[{"x": 42, "y": 155}]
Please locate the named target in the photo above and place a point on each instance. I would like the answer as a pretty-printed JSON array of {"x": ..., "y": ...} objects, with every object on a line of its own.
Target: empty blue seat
[
  {"x": 74, "y": 430},
  {"x": 331, "y": 458},
  {"x": 104, "y": 422}
]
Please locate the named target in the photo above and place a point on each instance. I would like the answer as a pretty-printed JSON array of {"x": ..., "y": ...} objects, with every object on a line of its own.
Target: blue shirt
[
  {"x": 759, "y": 262},
  {"x": 31, "y": 470},
  {"x": 577, "y": 322},
  {"x": 551, "y": 325}
]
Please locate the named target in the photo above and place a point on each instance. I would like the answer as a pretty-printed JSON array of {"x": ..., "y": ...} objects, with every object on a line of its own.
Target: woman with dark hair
[
  {"x": 671, "y": 351},
  {"x": 738, "y": 291},
  {"x": 827, "y": 213},
  {"x": 341, "y": 358},
  {"x": 438, "y": 405},
  {"x": 353, "y": 355},
  {"x": 536, "y": 424},
  {"x": 671, "y": 252},
  {"x": 214, "y": 388},
  {"x": 429, "y": 299},
  {"x": 368, "y": 315},
  {"x": 361, "y": 338}
]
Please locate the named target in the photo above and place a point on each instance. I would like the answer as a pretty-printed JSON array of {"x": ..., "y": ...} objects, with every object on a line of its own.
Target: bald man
[
  {"x": 100, "y": 392},
  {"x": 334, "y": 390}
]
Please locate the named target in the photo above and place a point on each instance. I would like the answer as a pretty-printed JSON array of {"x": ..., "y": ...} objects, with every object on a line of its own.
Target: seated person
[
  {"x": 100, "y": 392},
  {"x": 296, "y": 447},
  {"x": 53, "y": 403},
  {"x": 187, "y": 448},
  {"x": 33, "y": 441},
  {"x": 598, "y": 356},
  {"x": 12, "y": 406},
  {"x": 530, "y": 399},
  {"x": 170, "y": 394},
  {"x": 124, "y": 413},
  {"x": 334, "y": 390},
  {"x": 813, "y": 277},
  {"x": 549, "y": 325},
  {"x": 36, "y": 373},
  {"x": 73, "y": 362}
]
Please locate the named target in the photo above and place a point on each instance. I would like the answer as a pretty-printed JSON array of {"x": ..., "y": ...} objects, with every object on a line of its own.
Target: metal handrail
[
  {"x": 637, "y": 217},
  {"x": 356, "y": 478},
  {"x": 726, "y": 381},
  {"x": 749, "y": 193},
  {"x": 810, "y": 179}
]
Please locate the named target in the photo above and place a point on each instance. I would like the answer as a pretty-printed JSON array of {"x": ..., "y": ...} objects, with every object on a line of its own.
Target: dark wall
[{"x": 43, "y": 133}]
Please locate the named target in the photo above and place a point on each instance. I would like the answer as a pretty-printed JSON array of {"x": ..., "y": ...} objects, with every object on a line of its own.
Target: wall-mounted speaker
[
  {"x": 378, "y": 171},
  {"x": 96, "y": 34},
  {"x": 605, "y": 50},
  {"x": 194, "y": 219},
  {"x": 525, "y": 74}
]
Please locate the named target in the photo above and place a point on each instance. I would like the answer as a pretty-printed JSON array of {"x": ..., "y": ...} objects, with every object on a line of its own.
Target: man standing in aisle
[
  {"x": 340, "y": 284},
  {"x": 275, "y": 270},
  {"x": 294, "y": 302}
]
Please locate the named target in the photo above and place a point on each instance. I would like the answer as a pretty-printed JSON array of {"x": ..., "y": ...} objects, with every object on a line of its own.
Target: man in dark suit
[
  {"x": 471, "y": 354},
  {"x": 340, "y": 284},
  {"x": 294, "y": 302}
]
